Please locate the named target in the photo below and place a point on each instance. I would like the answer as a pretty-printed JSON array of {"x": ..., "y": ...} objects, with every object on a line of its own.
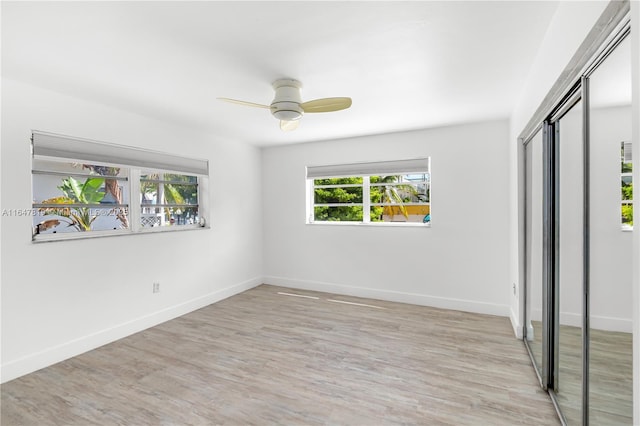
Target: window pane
[
  {"x": 400, "y": 193},
  {"x": 344, "y": 195},
  {"x": 168, "y": 199},
  {"x": 152, "y": 217},
  {"x": 401, "y": 213},
  {"x": 626, "y": 167},
  {"x": 400, "y": 198},
  {"x": 338, "y": 214},
  {"x": 626, "y": 155},
  {"x": 168, "y": 188},
  {"x": 168, "y": 194},
  {"x": 73, "y": 197},
  {"x": 627, "y": 214},
  {"x": 171, "y": 177},
  {"x": 148, "y": 193},
  {"x": 181, "y": 194},
  {"x": 400, "y": 189},
  {"x": 626, "y": 185},
  {"x": 60, "y": 219},
  {"x": 339, "y": 181},
  {"x": 412, "y": 178}
]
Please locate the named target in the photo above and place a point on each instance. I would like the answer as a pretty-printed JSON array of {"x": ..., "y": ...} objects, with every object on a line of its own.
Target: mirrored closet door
[
  {"x": 568, "y": 262},
  {"x": 577, "y": 254},
  {"x": 610, "y": 230},
  {"x": 534, "y": 243}
]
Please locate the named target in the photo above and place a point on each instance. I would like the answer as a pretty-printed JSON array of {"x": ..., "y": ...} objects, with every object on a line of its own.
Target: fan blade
[
  {"x": 326, "y": 105},
  {"x": 287, "y": 126},
  {"x": 245, "y": 103}
]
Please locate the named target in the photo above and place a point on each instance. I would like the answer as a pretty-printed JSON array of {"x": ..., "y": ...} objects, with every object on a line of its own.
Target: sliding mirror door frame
[
  {"x": 536, "y": 218},
  {"x": 560, "y": 374}
]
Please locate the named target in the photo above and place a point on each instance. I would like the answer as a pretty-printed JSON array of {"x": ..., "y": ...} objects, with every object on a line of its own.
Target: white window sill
[
  {"x": 69, "y": 236},
  {"x": 374, "y": 224}
]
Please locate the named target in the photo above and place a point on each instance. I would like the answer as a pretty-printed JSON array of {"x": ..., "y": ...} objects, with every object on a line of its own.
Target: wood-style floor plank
[{"x": 262, "y": 357}]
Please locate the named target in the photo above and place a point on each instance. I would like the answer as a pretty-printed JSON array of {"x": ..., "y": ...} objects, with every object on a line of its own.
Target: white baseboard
[
  {"x": 392, "y": 296},
  {"x": 33, "y": 362},
  {"x": 515, "y": 323},
  {"x": 598, "y": 322},
  {"x": 531, "y": 333},
  {"x": 575, "y": 320}
]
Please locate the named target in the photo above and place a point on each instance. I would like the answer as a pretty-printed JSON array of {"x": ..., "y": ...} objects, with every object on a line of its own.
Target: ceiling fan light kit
[
  {"x": 287, "y": 102},
  {"x": 287, "y": 105}
]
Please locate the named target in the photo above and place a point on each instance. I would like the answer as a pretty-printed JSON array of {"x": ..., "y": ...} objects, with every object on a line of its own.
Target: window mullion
[
  {"x": 134, "y": 200},
  {"x": 366, "y": 199}
]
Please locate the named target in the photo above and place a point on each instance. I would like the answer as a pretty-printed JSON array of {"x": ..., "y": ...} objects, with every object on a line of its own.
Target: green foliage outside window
[
  {"x": 343, "y": 195},
  {"x": 626, "y": 168},
  {"x": 627, "y": 209},
  {"x": 75, "y": 192},
  {"x": 627, "y": 214},
  {"x": 627, "y": 191},
  {"x": 179, "y": 194}
]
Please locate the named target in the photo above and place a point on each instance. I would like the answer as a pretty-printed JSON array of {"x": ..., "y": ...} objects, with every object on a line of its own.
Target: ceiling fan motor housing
[{"x": 286, "y": 103}]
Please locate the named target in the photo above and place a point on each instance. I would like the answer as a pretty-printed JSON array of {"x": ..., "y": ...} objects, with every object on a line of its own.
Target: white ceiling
[{"x": 406, "y": 65}]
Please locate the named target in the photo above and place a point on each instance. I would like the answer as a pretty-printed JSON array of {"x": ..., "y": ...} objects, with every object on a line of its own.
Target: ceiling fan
[{"x": 288, "y": 107}]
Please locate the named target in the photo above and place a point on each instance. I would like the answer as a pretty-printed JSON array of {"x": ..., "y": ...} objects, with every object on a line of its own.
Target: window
[
  {"x": 85, "y": 189},
  {"x": 626, "y": 185},
  {"x": 379, "y": 192},
  {"x": 168, "y": 199},
  {"x": 73, "y": 197}
]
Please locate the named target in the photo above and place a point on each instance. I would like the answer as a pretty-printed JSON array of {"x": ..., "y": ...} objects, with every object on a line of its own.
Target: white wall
[
  {"x": 534, "y": 236},
  {"x": 460, "y": 262},
  {"x": 62, "y": 298},
  {"x": 611, "y": 248}
]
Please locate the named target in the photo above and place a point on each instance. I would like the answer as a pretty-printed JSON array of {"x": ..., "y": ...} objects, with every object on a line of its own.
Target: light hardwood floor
[
  {"x": 610, "y": 371},
  {"x": 262, "y": 358}
]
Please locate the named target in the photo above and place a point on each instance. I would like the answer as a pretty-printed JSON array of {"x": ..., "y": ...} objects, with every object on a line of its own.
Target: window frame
[
  {"x": 132, "y": 181},
  {"x": 367, "y": 169}
]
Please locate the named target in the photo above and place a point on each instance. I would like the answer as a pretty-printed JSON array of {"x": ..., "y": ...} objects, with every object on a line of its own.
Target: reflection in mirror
[
  {"x": 533, "y": 237},
  {"x": 610, "y": 341},
  {"x": 568, "y": 383}
]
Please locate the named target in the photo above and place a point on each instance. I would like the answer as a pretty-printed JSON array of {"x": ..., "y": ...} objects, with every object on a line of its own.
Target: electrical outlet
[{"x": 156, "y": 287}]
